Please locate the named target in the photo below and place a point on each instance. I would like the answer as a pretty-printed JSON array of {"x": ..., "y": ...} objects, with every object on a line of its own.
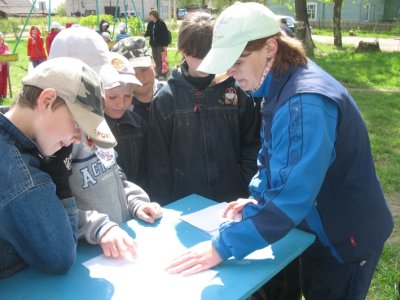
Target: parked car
[
  {"x": 181, "y": 13},
  {"x": 288, "y": 21}
]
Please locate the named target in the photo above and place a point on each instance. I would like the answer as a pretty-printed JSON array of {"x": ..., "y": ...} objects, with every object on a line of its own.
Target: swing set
[{"x": 14, "y": 56}]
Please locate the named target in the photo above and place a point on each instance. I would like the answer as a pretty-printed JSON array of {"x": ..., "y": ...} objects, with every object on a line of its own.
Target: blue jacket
[
  {"x": 316, "y": 172},
  {"x": 199, "y": 141},
  {"x": 36, "y": 228}
]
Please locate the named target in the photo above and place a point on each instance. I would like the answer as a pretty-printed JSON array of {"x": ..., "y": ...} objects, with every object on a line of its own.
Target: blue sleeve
[{"x": 301, "y": 150}]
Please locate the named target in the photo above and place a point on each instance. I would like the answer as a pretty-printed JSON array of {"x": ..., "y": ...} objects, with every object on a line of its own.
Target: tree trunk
[
  {"x": 337, "y": 17},
  {"x": 303, "y": 31}
]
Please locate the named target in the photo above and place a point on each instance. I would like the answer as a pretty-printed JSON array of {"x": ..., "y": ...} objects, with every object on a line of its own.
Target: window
[
  {"x": 312, "y": 11},
  {"x": 366, "y": 15}
]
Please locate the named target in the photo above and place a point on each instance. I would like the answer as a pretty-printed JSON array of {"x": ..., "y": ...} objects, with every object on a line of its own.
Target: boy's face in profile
[
  {"x": 118, "y": 100},
  {"x": 55, "y": 128}
]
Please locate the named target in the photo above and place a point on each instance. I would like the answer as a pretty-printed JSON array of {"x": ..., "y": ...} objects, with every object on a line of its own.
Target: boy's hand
[
  {"x": 59, "y": 168},
  {"x": 118, "y": 243},
  {"x": 149, "y": 212}
]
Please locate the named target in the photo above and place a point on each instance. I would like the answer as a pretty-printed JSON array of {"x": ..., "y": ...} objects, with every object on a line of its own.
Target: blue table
[{"x": 237, "y": 279}]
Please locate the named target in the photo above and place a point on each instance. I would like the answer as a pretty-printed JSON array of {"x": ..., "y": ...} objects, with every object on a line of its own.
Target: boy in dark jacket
[{"x": 202, "y": 132}]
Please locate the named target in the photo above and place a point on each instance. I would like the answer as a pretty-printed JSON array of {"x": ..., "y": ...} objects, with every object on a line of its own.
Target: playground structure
[{"x": 125, "y": 14}]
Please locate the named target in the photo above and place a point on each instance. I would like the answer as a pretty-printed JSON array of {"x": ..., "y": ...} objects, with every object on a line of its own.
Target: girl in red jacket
[
  {"x": 4, "y": 67},
  {"x": 36, "y": 52}
]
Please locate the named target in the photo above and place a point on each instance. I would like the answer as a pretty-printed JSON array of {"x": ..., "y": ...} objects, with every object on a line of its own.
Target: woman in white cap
[{"x": 316, "y": 170}]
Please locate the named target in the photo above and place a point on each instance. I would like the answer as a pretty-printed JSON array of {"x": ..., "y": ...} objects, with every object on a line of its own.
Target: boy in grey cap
[
  {"x": 38, "y": 223},
  {"x": 135, "y": 50}
]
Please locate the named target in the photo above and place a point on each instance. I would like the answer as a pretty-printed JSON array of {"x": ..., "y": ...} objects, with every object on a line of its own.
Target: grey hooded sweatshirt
[{"x": 103, "y": 195}]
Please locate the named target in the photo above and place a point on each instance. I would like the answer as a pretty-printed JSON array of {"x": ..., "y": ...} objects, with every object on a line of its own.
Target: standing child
[
  {"x": 135, "y": 50},
  {"x": 38, "y": 223},
  {"x": 35, "y": 48},
  {"x": 131, "y": 136},
  {"x": 103, "y": 194},
  {"x": 55, "y": 28},
  {"x": 202, "y": 134},
  {"x": 4, "y": 67}
]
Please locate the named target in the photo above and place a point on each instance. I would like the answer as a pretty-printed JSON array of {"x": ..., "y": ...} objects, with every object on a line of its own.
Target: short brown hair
[
  {"x": 290, "y": 53},
  {"x": 195, "y": 34},
  {"x": 28, "y": 97},
  {"x": 153, "y": 12}
]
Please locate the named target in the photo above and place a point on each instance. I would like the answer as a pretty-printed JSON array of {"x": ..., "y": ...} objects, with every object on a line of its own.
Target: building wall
[
  {"x": 141, "y": 7},
  {"x": 352, "y": 10}
]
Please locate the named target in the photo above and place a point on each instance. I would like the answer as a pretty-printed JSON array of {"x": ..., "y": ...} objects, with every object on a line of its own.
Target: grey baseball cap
[{"x": 135, "y": 50}]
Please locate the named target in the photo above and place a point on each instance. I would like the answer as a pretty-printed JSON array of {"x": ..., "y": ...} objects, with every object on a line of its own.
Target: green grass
[
  {"x": 360, "y": 33},
  {"x": 381, "y": 112},
  {"x": 360, "y": 70}
]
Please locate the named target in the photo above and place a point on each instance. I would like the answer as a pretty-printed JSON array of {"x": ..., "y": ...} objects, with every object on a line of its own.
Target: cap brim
[
  {"x": 141, "y": 62},
  {"x": 219, "y": 60},
  {"x": 93, "y": 125},
  {"x": 107, "y": 73},
  {"x": 129, "y": 78}
]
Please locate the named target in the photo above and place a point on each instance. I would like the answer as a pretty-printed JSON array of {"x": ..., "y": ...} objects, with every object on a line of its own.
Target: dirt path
[{"x": 390, "y": 45}]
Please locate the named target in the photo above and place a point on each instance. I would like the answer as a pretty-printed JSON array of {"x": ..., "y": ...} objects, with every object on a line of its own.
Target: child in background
[
  {"x": 55, "y": 28},
  {"x": 35, "y": 48},
  {"x": 4, "y": 67},
  {"x": 103, "y": 194},
  {"x": 122, "y": 32},
  {"x": 107, "y": 38}
]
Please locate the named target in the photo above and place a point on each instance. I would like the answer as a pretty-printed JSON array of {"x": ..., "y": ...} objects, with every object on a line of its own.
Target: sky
[{"x": 54, "y": 3}]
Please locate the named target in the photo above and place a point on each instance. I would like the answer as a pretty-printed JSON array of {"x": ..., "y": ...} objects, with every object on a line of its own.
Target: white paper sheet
[
  {"x": 210, "y": 218},
  {"x": 145, "y": 277}
]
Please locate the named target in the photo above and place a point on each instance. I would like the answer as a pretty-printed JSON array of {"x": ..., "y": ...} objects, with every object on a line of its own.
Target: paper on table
[
  {"x": 145, "y": 278},
  {"x": 210, "y": 218}
]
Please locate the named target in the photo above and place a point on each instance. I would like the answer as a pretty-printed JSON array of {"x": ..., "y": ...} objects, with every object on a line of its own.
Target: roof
[{"x": 18, "y": 7}]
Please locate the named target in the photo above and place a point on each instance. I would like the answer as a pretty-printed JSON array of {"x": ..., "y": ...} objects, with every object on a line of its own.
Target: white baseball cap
[
  {"x": 237, "y": 25},
  {"x": 126, "y": 72},
  {"x": 121, "y": 26},
  {"x": 81, "y": 89},
  {"x": 87, "y": 45},
  {"x": 56, "y": 25}
]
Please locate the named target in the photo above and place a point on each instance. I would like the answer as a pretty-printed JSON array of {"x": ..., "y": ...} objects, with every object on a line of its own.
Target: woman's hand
[
  {"x": 201, "y": 257},
  {"x": 234, "y": 209}
]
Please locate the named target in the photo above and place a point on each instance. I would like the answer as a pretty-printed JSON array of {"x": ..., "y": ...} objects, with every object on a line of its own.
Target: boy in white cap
[
  {"x": 55, "y": 28},
  {"x": 102, "y": 192},
  {"x": 315, "y": 168},
  {"x": 38, "y": 223}
]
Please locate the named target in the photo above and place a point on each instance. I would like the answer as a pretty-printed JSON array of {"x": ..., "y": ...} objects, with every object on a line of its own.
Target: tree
[
  {"x": 303, "y": 31},
  {"x": 62, "y": 10},
  {"x": 337, "y": 19}
]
